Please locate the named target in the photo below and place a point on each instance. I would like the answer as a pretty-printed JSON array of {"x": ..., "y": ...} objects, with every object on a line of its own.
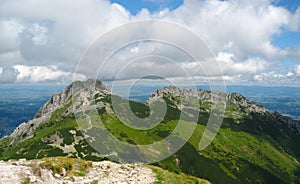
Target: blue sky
[
  {"x": 292, "y": 5},
  {"x": 288, "y": 39},
  {"x": 255, "y": 42},
  {"x": 135, "y": 6}
]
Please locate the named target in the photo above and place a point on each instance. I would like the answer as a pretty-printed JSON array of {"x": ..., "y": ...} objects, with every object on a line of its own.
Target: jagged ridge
[{"x": 209, "y": 96}]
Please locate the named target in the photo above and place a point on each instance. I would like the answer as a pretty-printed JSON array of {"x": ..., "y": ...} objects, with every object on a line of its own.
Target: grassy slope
[{"x": 167, "y": 177}]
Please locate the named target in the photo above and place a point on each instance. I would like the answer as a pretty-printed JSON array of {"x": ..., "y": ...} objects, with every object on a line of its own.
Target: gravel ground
[{"x": 105, "y": 172}]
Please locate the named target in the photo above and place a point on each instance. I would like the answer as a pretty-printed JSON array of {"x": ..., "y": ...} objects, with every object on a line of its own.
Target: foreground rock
[{"x": 45, "y": 171}]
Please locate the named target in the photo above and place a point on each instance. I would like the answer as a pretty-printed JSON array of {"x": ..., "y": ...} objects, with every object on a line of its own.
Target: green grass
[
  {"x": 238, "y": 155},
  {"x": 73, "y": 167},
  {"x": 167, "y": 177},
  {"x": 26, "y": 181}
]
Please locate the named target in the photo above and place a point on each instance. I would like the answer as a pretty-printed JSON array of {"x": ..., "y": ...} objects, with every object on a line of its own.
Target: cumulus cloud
[
  {"x": 33, "y": 74},
  {"x": 246, "y": 27},
  {"x": 55, "y": 35},
  {"x": 290, "y": 74},
  {"x": 274, "y": 77},
  {"x": 43, "y": 40},
  {"x": 37, "y": 73},
  {"x": 297, "y": 70},
  {"x": 230, "y": 65}
]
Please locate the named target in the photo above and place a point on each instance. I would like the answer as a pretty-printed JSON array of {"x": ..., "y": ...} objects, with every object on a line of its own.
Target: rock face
[
  {"x": 26, "y": 130},
  {"x": 240, "y": 100},
  {"x": 104, "y": 172},
  {"x": 209, "y": 96},
  {"x": 59, "y": 100},
  {"x": 292, "y": 124},
  {"x": 202, "y": 95}
]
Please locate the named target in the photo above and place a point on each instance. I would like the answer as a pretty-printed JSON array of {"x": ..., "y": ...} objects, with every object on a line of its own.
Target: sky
[{"x": 255, "y": 42}]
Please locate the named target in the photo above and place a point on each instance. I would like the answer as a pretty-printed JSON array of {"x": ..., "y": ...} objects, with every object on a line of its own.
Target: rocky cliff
[
  {"x": 208, "y": 96},
  {"x": 291, "y": 123},
  {"x": 59, "y": 100}
]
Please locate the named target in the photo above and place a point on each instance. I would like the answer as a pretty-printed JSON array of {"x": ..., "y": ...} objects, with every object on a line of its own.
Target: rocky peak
[
  {"x": 59, "y": 100},
  {"x": 208, "y": 96},
  {"x": 77, "y": 86},
  {"x": 238, "y": 99},
  {"x": 26, "y": 129},
  {"x": 203, "y": 95}
]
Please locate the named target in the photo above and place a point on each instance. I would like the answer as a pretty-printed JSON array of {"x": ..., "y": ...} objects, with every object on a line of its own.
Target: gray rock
[
  {"x": 104, "y": 172},
  {"x": 208, "y": 96}
]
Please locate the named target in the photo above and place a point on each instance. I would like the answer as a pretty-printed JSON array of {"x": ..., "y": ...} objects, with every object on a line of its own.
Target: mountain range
[{"x": 253, "y": 145}]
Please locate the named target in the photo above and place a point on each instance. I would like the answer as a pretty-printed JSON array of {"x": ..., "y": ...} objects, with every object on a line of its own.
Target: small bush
[
  {"x": 26, "y": 181},
  {"x": 72, "y": 166},
  {"x": 68, "y": 166},
  {"x": 94, "y": 182}
]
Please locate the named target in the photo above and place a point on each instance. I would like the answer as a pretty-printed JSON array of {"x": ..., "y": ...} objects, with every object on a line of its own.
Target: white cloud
[
  {"x": 247, "y": 25},
  {"x": 43, "y": 74},
  {"x": 37, "y": 73},
  {"x": 290, "y": 74},
  {"x": 231, "y": 66},
  {"x": 297, "y": 70},
  {"x": 1, "y": 70},
  {"x": 58, "y": 35},
  {"x": 274, "y": 78},
  {"x": 44, "y": 36}
]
